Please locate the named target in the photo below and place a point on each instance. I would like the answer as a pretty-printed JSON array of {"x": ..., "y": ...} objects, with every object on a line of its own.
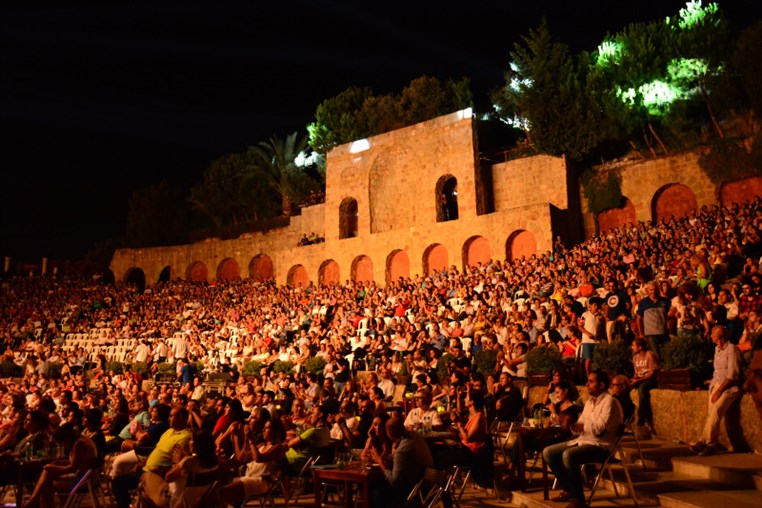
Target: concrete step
[
  {"x": 657, "y": 455},
  {"x": 712, "y": 499},
  {"x": 604, "y": 498},
  {"x": 735, "y": 470},
  {"x": 758, "y": 481}
]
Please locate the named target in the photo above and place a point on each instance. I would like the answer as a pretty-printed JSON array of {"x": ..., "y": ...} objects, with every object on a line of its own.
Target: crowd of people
[{"x": 644, "y": 284}]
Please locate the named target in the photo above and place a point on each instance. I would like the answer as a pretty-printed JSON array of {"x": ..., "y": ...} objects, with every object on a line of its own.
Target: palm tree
[{"x": 275, "y": 160}]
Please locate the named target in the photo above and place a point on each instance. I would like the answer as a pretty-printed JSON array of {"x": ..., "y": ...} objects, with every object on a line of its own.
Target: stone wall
[{"x": 395, "y": 179}]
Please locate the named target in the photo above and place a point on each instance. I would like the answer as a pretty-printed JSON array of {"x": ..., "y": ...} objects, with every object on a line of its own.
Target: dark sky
[{"x": 99, "y": 98}]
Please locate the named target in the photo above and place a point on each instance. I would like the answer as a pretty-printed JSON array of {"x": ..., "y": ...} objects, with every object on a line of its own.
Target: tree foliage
[{"x": 356, "y": 113}]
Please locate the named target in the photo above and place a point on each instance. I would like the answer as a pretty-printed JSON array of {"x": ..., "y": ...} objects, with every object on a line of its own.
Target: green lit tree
[
  {"x": 339, "y": 120},
  {"x": 543, "y": 96}
]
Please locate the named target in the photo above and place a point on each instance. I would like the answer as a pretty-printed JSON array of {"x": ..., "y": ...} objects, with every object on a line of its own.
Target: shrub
[
  {"x": 485, "y": 361},
  {"x": 315, "y": 364},
  {"x": 544, "y": 360},
  {"x": 8, "y": 368},
  {"x": 614, "y": 357},
  {"x": 115, "y": 367},
  {"x": 283, "y": 366},
  {"x": 251, "y": 368},
  {"x": 54, "y": 370},
  {"x": 140, "y": 368},
  {"x": 442, "y": 369},
  {"x": 691, "y": 353},
  {"x": 166, "y": 368}
]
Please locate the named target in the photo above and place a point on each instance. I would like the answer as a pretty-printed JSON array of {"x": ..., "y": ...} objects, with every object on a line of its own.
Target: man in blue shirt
[{"x": 652, "y": 318}]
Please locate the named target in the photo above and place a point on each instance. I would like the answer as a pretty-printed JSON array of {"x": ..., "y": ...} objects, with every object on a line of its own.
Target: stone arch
[
  {"x": 348, "y": 218},
  {"x": 228, "y": 269},
  {"x": 446, "y": 196},
  {"x": 673, "y": 200},
  {"x": 297, "y": 276},
  {"x": 197, "y": 272},
  {"x": 616, "y": 217},
  {"x": 261, "y": 268},
  {"x": 435, "y": 258},
  {"x": 166, "y": 274},
  {"x": 397, "y": 265},
  {"x": 329, "y": 272},
  {"x": 520, "y": 243},
  {"x": 362, "y": 269},
  {"x": 137, "y": 276},
  {"x": 476, "y": 250},
  {"x": 740, "y": 191}
]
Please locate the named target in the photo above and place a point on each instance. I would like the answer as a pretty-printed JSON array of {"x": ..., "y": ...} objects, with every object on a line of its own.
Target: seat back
[{"x": 78, "y": 489}]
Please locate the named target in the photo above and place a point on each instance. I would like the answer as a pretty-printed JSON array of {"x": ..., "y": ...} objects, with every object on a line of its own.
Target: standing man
[
  {"x": 592, "y": 328},
  {"x": 597, "y": 430},
  {"x": 723, "y": 390},
  {"x": 618, "y": 309},
  {"x": 652, "y": 318}
]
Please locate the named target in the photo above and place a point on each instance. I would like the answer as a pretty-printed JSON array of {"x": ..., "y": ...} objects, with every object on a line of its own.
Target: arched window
[
  {"x": 348, "y": 218},
  {"x": 447, "y": 198}
]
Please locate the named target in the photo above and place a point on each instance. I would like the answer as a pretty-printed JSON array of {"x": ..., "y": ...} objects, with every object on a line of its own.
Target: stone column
[
  {"x": 44, "y": 266},
  {"x": 7, "y": 264}
]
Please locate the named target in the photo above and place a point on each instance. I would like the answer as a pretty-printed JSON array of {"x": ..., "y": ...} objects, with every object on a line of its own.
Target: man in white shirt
[
  {"x": 597, "y": 430},
  {"x": 386, "y": 383},
  {"x": 423, "y": 412}
]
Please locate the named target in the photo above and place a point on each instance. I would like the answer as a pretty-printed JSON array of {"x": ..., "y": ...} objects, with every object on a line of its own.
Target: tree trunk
[
  {"x": 635, "y": 147},
  {"x": 658, "y": 139},
  {"x": 649, "y": 144},
  {"x": 709, "y": 110}
]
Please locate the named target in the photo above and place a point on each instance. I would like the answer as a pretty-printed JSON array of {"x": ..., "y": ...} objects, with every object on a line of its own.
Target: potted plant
[
  {"x": 251, "y": 369},
  {"x": 140, "y": 368},
  {"x": 165, "y": 373},
  {"x": 315, "y": 364},
  {"x": 614, "y": 358},
  {"x": 115, "y": 367},
  {"x": 541, "y": 362},
  {"x": 685, "y": 363},
  {"x": 485, "y": 361},
  {"x": 283, "y": 366}
]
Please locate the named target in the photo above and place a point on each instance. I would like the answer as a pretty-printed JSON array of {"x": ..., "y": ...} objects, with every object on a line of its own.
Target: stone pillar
[
  {"x": 44, "y": 266},
  {"x": 7, "y": 264}
]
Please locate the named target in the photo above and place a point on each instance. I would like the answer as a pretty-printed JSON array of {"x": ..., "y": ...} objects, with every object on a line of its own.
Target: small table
[
  {"x": 31, "y": 468},
  {"x": 543, "y": 433},
  {"x": 354, "y": 473}
]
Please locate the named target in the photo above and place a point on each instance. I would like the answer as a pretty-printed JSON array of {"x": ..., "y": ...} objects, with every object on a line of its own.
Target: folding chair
[
  {"x": 84, "y": 487},
  {"x": 295, "y": 485},
  {"x": 629, "y": 430},
  {"x": 275, "y": 483},
  {"x": 428, "y": 491},
  {"x": 606, "y": 465}
]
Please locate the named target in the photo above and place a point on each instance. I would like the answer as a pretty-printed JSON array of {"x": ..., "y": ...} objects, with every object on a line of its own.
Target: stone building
[{"x": 418, "y": 199}]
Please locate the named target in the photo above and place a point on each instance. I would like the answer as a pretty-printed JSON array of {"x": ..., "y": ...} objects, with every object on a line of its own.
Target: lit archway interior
[
  {"x": 329, "y": 272},
  {"x": 197, "y": 272},
  {"x": 520, "y": 244},
  {"x": 297, "y": 276},
  {"x": 228, "y": 270},
  {"x": 397, "y": 265},
  {"x": 435, "y": 258},
  {"x": 261, "y": 268},
  {"x": 362, "y": 269},
  {"x": 476, "y": 250},
  {"x": 673, "y": 201}
]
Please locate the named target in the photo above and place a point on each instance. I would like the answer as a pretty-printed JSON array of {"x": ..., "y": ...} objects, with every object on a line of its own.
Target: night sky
[{"x": 100, "y": 98}]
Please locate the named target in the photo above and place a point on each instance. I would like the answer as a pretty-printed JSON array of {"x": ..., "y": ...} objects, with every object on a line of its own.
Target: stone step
[
  {"x": 758, "y": 481},
  {"x": 657, "y": 455},
  {"x": 650, "y": 484},
  {"x": 736, "y": 470},
  {"x": 712, "y": 499},
  {"x": 532, "y": 498}
]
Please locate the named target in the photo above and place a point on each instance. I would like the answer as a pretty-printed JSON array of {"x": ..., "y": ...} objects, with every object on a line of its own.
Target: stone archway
[
  {"x": 476, "y": 250},
  {"x": 261, "y": 268},
  {"x": 362, "y": 269},
  {"x": 136, "y": 276},
  {"x": 435, "y": 258},
  {"x": 348, "y": 218},
  {"x": 673, "y": 200},
  {"x": 329, "y": 272},
  {"x": 446, "y": 196},
  {"x": 741, "y": 191},
  {"x": 520, "y": 243},
  {"x": 166, "y": 274},
  {"x": 228, "y": 270},
  {"x": 297, "y": 277},
  {"x": 397, "y": 265},
  {"x": 616, "y": 217},
  {"x": 197, "y": 272}
]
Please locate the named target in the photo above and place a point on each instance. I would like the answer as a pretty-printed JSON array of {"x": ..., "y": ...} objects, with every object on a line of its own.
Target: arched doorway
[
  {"x": 197, "y": 272},
  {"x": 435, "y": 258},
  {"x": 137, "y": 277},
  {"x": 348, "y": 218},
  {"x": 261, "y": 268},
  {"x": 362, "y": 269},
  {"x": 674, "y": 200},
  {"x": 741, "y": 191},
  {"x": 446, "y": 195},
  {"x": 297, "y": 277},
  {"x": 520, "y": 244},
  {"x": 329, "y": 272},
  {"x": 476, "y": 250},
  {"x": 166, "y": 274},
  {"x": 397, "y": 265},
  {"x": 228, "y": 270},
  {"x": 616, "y": 217}
]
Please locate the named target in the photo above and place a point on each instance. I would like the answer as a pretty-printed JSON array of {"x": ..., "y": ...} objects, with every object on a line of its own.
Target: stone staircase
[{"x": 673, "y": 478}]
